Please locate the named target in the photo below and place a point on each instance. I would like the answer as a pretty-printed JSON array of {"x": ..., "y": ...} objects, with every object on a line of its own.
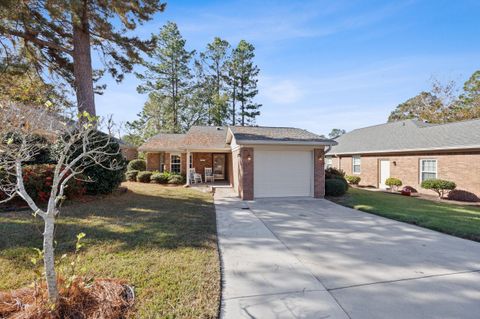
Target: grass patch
[
  {"x": 162, "y": 240},
  {"x": 457, "y": 220}
]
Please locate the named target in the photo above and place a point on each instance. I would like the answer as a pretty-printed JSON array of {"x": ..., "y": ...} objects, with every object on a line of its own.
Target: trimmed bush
[
  {"x": 131, "y": 176},
  {"x": 331, "y": 172},
  {"x": 335, "y": 187},
  {"x": 409, "y": 189},
  {"x": 137, "y": 165},
  {"x": 462, "y": 196},
  {"x": 393, "y": 182},
  {"x": 176, "y": 179},
  {"x": 144, "y": 177},
  {"x": 160, "y": 178},
  {"x": 439, "y": 186},
  {"x": 354, "y": 180}
]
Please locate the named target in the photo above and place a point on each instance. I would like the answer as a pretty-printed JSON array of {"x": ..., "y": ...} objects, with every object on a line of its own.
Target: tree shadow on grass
[{"x": 172, "y": 219}]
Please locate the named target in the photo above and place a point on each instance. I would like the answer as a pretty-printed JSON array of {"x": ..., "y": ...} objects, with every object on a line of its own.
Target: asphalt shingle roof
[
  {"x": 162, "y": 141},
  {"x": 275, "y": 134},
  {"x": 409, "y": 135},
  {"x": 206, "y": 137}
]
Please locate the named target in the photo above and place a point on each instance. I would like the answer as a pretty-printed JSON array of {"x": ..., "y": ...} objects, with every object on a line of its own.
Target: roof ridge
[{"x": 451, "y": 123}]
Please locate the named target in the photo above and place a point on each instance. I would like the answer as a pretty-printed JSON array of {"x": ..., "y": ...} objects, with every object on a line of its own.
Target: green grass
[
  {"x": 458, "y": 220},
  {"x": 161, "y": 240}
]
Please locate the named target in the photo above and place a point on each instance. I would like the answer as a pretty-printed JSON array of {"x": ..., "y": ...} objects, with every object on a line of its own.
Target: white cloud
[{"x": 279, "y": 91}]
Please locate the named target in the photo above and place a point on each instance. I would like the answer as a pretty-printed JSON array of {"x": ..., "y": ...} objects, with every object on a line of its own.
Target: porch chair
[
  {"x": 209, "y": 175},
  {"x": 191, "y": 173}
]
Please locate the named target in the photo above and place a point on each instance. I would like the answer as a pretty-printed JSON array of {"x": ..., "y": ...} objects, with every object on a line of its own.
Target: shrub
[
  {"x": 335, "y": 187},
  {"x": 144, "y": 177},
  {"x": 393, "y": 182},
  {"x": 331, "y": 172},
  {"x": 103, "y": 180},
  {"x": 38, "y": 181},
  {"x": 439, "y": 186},
  {"x": 131, "y": 176},
  {"x": 462, "y": 195},
  {"x": 176, "y": 179},
  {"x": 137, "y": 165},
  {"x": 160, "y": 178},
  {"x": 409, "y": 189},
  {"x": 354, "y": 180}
]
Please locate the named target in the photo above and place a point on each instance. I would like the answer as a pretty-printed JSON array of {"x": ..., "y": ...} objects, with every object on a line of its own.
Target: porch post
[{"x": 188, "y": 167}]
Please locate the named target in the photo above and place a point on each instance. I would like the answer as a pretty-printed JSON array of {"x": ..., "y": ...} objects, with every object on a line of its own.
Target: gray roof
[
  {"x": 264, "y": 134},
  {"x": 206, "y": 137},
  {"x": 162, "y": 141},
  {"x": 409, "y": 135}
]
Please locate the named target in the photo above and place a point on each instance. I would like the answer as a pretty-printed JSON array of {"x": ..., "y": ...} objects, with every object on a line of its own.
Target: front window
[
  {"x": 191, "y": 161},
  {"x": 175, "y": 162},
  {"x": 428, "y": 169},
  {"x": 328, "y": 162},
  {"x": 356, "y": 164}
]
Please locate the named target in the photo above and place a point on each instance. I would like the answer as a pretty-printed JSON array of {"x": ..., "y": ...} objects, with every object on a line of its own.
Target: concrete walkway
[{"x": 307, "y": 258}]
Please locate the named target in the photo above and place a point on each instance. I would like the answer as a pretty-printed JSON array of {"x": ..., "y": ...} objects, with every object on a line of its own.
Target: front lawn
[
  {"x": 162, "y": 240},
  {"x": 457, "y": 220}
]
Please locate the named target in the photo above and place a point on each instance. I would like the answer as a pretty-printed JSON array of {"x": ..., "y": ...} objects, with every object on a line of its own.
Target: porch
[{"x": 218, "y": 162}]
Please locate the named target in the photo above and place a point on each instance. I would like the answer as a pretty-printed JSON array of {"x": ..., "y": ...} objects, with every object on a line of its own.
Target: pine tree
[
  {"x": 243, "y": 80},
  {"x": 213, "y": 66},
  {"x": 59, "y": 35},
  {"x": 169, "y": 74}
]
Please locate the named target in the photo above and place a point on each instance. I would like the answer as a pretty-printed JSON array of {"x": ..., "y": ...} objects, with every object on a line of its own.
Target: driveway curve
[{"x": 310, "y": 258}]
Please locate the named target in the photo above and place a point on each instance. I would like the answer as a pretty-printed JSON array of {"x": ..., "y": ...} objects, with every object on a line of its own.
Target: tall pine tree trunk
[
  {"x": 82, "y": 62},
  {"x": 49, "y": 258},
  {"x": 234, "y": 110}
]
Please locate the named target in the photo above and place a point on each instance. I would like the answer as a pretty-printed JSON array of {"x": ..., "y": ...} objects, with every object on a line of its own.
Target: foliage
[
  {"x": 169, "y": 76},
  {"x": 137, "y": 165},
  {"x": 38, "y": 183},
  {"x": 462, "y": 196},
  {"x": 439, "y": 186},
  {"x": 442, "y": 104},
  {"x": 161, "y": 178},
  {"x": 131, "y": 175},
  {"x": 393, "y": 182},
  {"x": 336, "y": 132},
  {"x": 354, "y": 180},
  {"x": 144, "y": 177},
  {"x": 58, "y": 37},
  {"x": 243, "y": 80},
  {"x": 335, "y": 187},
  {"x": 176, "y": 179},
  {"x": 409, "y": 189},
  {"x": 102, "y": 179},
  {"x": 331, "y": 172}
]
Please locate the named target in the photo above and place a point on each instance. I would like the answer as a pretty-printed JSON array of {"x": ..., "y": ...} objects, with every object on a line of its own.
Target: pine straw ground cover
[{"x": 161, "y": 240}]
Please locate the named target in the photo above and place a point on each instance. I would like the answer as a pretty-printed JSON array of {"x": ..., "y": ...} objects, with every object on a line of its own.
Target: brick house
[
  {"x": 255, "y": 161},
  {"x": 411, "y": 151}
]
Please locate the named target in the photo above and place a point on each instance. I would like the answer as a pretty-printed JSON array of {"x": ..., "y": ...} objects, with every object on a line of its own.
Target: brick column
[
  {"x": 319, "y": 173},
  {"x": 153, "y": 161},
  {"x": 246, "y": 173}
]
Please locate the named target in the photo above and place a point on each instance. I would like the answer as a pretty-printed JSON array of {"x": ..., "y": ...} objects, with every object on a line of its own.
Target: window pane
[{"x": 426, "y": 176}]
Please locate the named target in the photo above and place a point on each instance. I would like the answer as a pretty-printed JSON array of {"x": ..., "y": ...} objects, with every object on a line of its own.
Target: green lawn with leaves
[
  {"x": 161, "y": 240},
  {"x": 458, "y": 220}
]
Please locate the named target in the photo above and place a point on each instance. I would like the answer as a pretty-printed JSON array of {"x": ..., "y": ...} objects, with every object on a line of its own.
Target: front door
[
  {"x": 219, "y": 166},
  {"x": 384, "y": 173}
]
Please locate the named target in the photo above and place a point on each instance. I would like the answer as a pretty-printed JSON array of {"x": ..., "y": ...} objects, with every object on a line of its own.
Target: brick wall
[
  {"x": 319, "y": 173},
  {"x": 129, "y": 153},
  {"x": 462, "y": 168},
  {"x": 201, "y": 161},
  {"x": 246, "y": 173},
  {"x": 153, "y": 161}
]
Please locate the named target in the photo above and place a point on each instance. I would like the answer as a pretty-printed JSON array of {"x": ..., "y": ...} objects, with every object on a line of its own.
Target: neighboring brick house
[
  {"x": 255, "y": 161},
  {"x": 411, "y": 151}
]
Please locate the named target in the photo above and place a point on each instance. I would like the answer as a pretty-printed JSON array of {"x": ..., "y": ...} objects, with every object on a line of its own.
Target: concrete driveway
[{"x": 307, "y": 258}]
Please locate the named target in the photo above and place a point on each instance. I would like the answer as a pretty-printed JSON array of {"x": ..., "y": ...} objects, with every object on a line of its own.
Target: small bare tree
[{"x": 78, "y": 146}]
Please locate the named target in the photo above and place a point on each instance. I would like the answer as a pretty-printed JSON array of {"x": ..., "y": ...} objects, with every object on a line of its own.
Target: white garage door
[{"x": 282, "y": 173}]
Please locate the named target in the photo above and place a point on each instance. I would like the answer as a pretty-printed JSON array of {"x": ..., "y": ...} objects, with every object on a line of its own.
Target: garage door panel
[{"x": 282, "y": 173}]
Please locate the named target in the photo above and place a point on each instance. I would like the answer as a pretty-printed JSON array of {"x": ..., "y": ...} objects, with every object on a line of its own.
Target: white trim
[
  {"x": 459, "y": 148},
  {"x": 420, "y": 172},
  {"x": 307, "y": 143},
  {"x": 359, "y": 164},
  {"x": 179, "y": 164}
]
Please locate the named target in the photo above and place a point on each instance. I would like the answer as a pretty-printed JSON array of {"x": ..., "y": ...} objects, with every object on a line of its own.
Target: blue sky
[{"x": 326, "y": 64}]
